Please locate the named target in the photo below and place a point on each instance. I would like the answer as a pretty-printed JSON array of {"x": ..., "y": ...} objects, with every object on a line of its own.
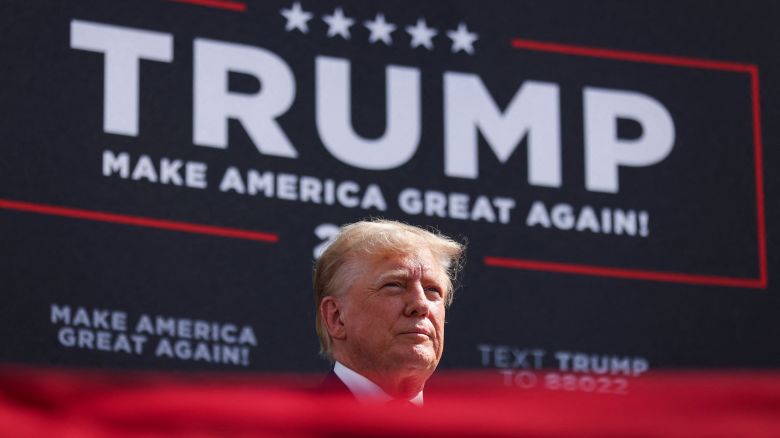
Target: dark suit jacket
[{"x": 332, "y": 385}]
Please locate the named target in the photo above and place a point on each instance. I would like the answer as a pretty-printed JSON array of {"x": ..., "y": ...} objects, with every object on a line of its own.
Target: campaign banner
[{"x": 171, "y": 169}]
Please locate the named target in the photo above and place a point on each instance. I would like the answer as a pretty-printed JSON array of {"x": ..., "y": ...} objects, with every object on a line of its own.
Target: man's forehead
[{"x": 420, "y": 262}]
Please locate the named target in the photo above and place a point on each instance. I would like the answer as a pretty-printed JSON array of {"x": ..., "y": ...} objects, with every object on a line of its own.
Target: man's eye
[
  {"x": 435, "y": 290},
  {"x": 392, "y": 284}
]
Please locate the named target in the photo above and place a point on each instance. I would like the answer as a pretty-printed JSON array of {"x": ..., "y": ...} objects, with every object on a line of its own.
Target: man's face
[{"x": 393, "y": 313}]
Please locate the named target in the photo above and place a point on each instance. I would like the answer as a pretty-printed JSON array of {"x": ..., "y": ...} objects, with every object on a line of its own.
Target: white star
[
  {"x": 380, "y": 30},
  {"x": 338, "y": 24},
  {"x": 296, "y": 18},
  {"x": 462, "y": 39},
  {"x": 421, "y": 34}
]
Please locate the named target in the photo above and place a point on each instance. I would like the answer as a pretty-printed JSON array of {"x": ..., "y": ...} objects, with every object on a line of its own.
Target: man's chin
[
  {"x": 416, "y": 338},
  {"x": 420, "y": 355}
]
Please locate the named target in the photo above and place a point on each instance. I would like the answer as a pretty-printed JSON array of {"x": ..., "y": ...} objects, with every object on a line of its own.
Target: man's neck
[
  {"x": 399, "y": 382},
  {"x": 366, "y": 389}
]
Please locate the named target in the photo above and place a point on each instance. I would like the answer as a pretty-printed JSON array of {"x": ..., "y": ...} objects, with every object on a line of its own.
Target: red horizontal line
[
  {"x": 220, "y": 4},
  {"x": 623, "y": 55},
  {"x": 137, "y": 221},
  {"x": 602, "y": 271}
]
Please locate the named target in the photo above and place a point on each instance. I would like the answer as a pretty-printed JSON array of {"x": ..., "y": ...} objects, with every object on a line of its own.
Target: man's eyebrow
[
  {"x": 405, "y": 272},
  {"x": 396, "y": 273},
  {"x": 399, "y": 273}
]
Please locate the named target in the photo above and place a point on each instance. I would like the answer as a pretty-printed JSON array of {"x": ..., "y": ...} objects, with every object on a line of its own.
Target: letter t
[{"x": 122, "y": 47}]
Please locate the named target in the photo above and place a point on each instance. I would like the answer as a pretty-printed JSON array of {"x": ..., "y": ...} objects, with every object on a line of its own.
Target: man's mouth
[{"x": 418, "y": 331}]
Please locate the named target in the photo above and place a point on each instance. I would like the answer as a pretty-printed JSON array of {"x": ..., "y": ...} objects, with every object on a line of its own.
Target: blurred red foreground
[{"x": 43, "y": 403}]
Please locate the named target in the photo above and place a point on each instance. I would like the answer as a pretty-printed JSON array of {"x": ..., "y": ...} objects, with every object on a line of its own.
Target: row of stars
[{"x": 380, "y": 28}]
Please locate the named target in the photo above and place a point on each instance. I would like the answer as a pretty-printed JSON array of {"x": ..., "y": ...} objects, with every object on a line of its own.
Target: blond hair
[{"x": 370, "y": 238}]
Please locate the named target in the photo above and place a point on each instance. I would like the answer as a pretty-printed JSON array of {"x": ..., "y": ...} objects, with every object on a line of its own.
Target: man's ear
[{"x": 330, "y": 312}]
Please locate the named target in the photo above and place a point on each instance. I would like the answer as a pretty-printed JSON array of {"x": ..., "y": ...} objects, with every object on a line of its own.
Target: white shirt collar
[{"x": 365, "y": 390}]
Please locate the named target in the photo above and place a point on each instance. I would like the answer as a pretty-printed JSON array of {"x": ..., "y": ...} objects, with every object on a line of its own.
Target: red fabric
[{"x": 39, "y": 403}]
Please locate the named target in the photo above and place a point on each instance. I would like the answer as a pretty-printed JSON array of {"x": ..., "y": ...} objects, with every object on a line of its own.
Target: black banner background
[{"x": 703, "y": 200}]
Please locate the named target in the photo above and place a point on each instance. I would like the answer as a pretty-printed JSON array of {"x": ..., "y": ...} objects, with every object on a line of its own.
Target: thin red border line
[
  {"x": 758, "y": 154},
  {"x": 634, "y": 274},
  {"x": 220, "y": 4},
  {"x": 624, "y": 55},
  {"x": 138, "y": 221},
  {"x": 679, "y": 61}
]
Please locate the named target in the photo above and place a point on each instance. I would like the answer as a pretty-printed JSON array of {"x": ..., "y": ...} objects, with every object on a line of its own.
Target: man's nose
[{"x": 417, "y": 303}]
